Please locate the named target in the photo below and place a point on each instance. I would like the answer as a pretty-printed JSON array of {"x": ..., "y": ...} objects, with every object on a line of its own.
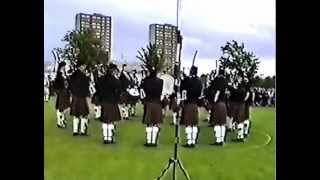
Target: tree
[
  {"x": 83, "y": 48},
  {"x": 238, "y": 63},
  {"x": 269, "y": 82},
  {"x": 258, "y": 81},
  {"x": 151, "y": 58}
]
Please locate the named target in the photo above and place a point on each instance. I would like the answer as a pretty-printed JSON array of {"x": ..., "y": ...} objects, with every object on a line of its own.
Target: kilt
[
  {"x": 247, "y": 111},
  {"x": 237, "y": 111},
  {"x": 218, "y": 114},
  {"x": 110, "y": 113},
  {"x": 63, "y": 100},
  {"x": 79, "y": 106},
  {"x": 152, "y": 113},
  {"x": 190, "y": 115}
]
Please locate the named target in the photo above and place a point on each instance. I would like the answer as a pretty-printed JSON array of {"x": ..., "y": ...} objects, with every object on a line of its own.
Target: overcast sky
[{"x": 206, "y": 25}]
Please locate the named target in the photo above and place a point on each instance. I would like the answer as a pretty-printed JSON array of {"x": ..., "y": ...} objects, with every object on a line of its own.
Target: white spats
[
  {"x": 76, "y": 123},
  {"x": 234, "y": 125},
  {"x": 125, "y": 112},
  {"x": 46, "y": 97},
  {"x": 223, "y": 133},
  {"x": 83, "y": 125},
  {"x": 189, "y": 134},
  {"x": 97, "y": 112},
  {"x": 217, "y": 133},
  {"x": 246, "y": 127},
  {"x": 155, "y": 131},
  {"x": 110, "y": 128},
  {"x": 149, "y": 134},
  {"x": 229, "y": 122},
  {"x": 59, "y": 118},
  {"x": 194, "y": 134},
  {"x": 63, "y": 120},
  {"x": 108, "y": 132},
  {"x": 240, "y": 129},
  {"x": 105, "y": 131},
  {"x": 174, "y": 117}
]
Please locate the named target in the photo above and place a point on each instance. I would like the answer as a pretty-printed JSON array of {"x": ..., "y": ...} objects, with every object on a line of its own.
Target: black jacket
[
  {"x": 193, "y": 86},
  {"x": 79, "y": 84},
  {"x": 152, "y": 87},
  {"x": 109, "y": 89}
]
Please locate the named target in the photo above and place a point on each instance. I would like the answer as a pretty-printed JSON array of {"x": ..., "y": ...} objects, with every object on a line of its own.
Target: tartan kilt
[
  {"x": 110, "y": 113},
  {"x": 63, "y": 100},
  {"x": 237, "y": 111},
  {"x": 152, "y": 113},
  {"x": 218, "y": 114},
  {"x": 190, "y": 115},
  {"x": 79, "y": 106}
]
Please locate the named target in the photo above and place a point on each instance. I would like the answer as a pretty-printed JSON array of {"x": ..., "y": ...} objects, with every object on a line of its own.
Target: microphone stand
[{"x": 175, "y": 160}]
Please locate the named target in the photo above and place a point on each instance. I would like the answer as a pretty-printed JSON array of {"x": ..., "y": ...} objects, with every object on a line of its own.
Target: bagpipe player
[
  {"x": 151, "y": 91},
  {"x": 80, "y": 81},
  {"x": 109, "y": 92},
  {"x": 61, "y": 87},
  {"x": 191, "y": 88}
]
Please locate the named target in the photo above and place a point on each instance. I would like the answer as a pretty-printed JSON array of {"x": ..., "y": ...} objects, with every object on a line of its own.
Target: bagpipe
[{"x": 129, "y": 87}]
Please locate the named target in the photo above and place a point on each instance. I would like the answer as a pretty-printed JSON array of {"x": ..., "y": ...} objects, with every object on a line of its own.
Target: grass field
[{"x": 86, "y": 158}]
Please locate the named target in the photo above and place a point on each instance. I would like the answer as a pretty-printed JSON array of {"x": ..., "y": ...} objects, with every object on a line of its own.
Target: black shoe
[
  {"x": 147, "y": 145},
  {"x": 110, "y": 142},
  {"x": 153, "y": 145},
  {"x": 238, "y": 140},
  {"x": 246, "y": 135},
  {"x": 59, "y": 126},
  {"x": 187, "y": 145},
  {"x": 192, "y": 146},
  {"x": 217, "y": 144},
  {"x": 105, "y": 142},
  {"x": 228, "y": 130},
  {"x": 84, "y": 134},
  {"x": 75, "y": 134}
]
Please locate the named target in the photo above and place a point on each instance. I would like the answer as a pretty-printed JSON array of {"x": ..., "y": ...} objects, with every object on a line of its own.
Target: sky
[{"x": 206, "y": 25}]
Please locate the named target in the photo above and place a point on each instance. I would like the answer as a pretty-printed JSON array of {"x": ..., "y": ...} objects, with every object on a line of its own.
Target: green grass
[{"x": 86, "y": 158}]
